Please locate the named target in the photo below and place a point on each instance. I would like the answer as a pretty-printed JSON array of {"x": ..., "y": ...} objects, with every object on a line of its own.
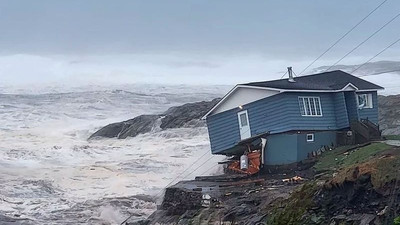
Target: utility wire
[
  {"x": 343, "y": 36},
  {"x": 209, "y": 169},
  {"x": 294, "y": 73},
  {"x": 283, "y": 74},
  {"x": 373, "y": 34},
  {"x": 198, "y": 167},
  {"x": 182, "y": 172},
  {"x": 369, "y": 60}
]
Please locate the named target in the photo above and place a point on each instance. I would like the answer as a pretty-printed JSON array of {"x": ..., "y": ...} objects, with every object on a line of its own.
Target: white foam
[{"x": 48, "y": 165}]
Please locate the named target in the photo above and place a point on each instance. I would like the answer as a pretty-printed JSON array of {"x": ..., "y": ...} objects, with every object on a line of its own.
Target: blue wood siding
[
  {"x": 269, "y": 114},
  {"x": 289, "y": 148},
  {"x": 223, "y": 130},
  {"x": 281, "y": 149},
  {"x": 281, "y": 113},
  {"x": 275, "y": 114},
  {"x": 342, "y": 119},
  {"x": 351, "y": 105},
  {"x": 321, "y": 139},
  {"x": 298, "y": 122},
  {"x": 372, "y": 113}
]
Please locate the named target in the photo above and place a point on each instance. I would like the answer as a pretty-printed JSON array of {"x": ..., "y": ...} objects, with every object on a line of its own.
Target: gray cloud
[{"x": 278, "y": 29}]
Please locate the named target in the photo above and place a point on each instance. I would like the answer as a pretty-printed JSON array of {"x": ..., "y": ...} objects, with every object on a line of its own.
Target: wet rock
[
  {"x": 177, "y": 201},
  {"x": 187, "y": 115}
]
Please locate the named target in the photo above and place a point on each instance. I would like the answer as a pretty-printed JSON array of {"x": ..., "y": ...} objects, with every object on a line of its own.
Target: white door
[{"x": 244, "y": 125}]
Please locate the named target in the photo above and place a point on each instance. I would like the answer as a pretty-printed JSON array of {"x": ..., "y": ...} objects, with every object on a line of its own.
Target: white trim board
[{"x": 242, "y": 96}]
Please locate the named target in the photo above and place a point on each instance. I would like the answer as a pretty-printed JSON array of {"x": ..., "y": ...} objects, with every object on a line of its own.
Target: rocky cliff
[{"x": 187, "y": 115}]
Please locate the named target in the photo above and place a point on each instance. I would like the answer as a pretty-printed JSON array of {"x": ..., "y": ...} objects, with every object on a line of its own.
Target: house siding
[
  {"x": 281, "y": 149},
  {"x": 289, "y": 148},
  {"x": 223, "y": 130},
  {"x": 342, "y": 119},
  {"x": 275, "y": 114},
  {"x": 351, "y": 105},
  {"x": 321, "y": 139},
  {"x": 281, "y": 113},
  {"x": 372, "y": 113},
  {"x": 298, "y": 122}
]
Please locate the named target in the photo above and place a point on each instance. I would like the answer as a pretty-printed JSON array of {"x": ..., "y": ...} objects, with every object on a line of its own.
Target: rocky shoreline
[
  {"x": 320, "y": 197},
  {"x": 187, "y": 115},
  {"x": 342, "y": 186}
]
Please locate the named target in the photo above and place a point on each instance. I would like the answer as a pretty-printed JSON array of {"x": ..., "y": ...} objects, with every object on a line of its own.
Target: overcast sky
[{"x": 185, "y": 41}]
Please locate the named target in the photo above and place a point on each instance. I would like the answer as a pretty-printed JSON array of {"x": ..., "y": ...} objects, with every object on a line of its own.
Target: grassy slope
[
  {"x": 379, "y": 160},
  {"x": 340, "y": 158}
]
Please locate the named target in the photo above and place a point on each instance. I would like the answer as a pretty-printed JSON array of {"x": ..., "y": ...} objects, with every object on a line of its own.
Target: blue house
[{"x": 295, "y": 116}]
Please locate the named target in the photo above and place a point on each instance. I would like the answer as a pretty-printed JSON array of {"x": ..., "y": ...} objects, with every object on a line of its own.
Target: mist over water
[{"x": 51, "y": 174}]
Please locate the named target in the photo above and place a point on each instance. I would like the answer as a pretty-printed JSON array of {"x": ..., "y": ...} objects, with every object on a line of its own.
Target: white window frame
[
  {"x": 368, "y": 101},
  {"x": 312, "y": 137},
  {"x": 303, "y": 109}
]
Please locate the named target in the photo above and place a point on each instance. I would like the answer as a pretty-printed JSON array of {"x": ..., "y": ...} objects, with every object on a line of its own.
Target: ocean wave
[{"x": 51, "y": 174}]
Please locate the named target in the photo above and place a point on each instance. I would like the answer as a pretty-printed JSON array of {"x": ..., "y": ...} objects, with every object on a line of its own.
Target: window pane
[
  {"x": 312, "y": 106},
  {"x": 310, "y": 137},
  {"x": 243, "y": 119},
  {"x": 318, "y": 106},
  {"x": 301, "y": 104},
  {"x": 307, "y": 106},
  {"x": 361, "y": 101}
]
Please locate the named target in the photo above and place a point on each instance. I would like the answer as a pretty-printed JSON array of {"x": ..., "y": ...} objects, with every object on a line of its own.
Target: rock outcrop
[
  {"x": 389, "y": 114},
  {"x": 187, "y": 115}
]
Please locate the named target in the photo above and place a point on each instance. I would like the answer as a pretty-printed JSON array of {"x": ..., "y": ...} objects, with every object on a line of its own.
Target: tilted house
[{"x": 296, "y": 115}]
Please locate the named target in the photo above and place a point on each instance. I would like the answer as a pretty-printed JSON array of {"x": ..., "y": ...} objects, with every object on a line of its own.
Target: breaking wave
[{"x": 51, "y": 174}]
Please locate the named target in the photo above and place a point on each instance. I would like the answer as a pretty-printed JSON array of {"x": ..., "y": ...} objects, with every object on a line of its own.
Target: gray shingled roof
[{"x": 333, "y": 80}]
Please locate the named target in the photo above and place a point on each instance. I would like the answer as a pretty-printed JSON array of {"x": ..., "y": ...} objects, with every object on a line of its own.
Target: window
[
  {"x": 310, "y": 106},
  {"x": 243, "y": 119},
  {"x": 310, "y": 137},
  {"x": 364, "y": 101}
]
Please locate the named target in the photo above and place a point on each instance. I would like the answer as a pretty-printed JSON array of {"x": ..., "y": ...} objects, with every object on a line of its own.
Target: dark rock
[
  {"x": 177, "y": 201},
  {"x": 133, "y": 127},
  {"x": 109, "y": 131},
  {"x": 180, "y": 116},
  {"x": 138, "y": 125},
  {"x": 187, "y": 115}
]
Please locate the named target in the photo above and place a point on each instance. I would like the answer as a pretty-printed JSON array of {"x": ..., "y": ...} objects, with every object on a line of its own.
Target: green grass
[
  {"x": 392, "y": 137},
  {"x": 335, "y": 159}
]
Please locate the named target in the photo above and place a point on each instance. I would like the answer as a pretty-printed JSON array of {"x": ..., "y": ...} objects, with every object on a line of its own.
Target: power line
[
  {"x": 369, "y": 60},
  {"x": 209, "y": 169},
  {"x": 373, "y": 34},
  {"x": 343, "y": 36},
  {"x": 182, "y": 172},
  {"x": 287, "y": 72},
  {"x": 283, "y": 74},
  {"x": 198, "y": 167}
]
